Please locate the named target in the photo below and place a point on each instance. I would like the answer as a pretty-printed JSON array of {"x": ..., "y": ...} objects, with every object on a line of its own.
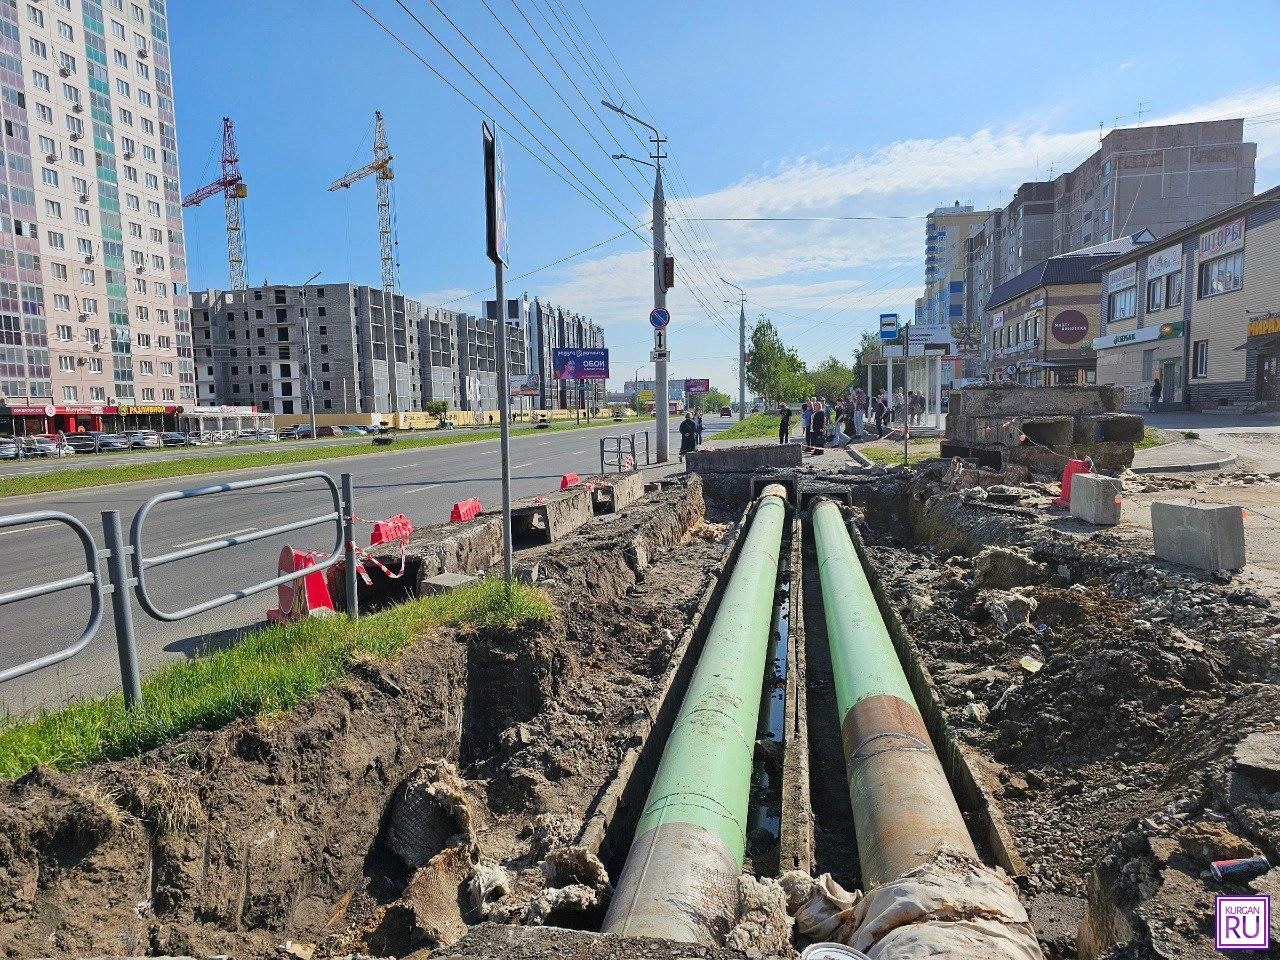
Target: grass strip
[
  {"x": 888, "y": 456},
  {"x": 756, "y": 425},
  {"x": 71, "y": 478},
  {"x": 1151, "y": 437},
  {"x": 269, "y": 670}
]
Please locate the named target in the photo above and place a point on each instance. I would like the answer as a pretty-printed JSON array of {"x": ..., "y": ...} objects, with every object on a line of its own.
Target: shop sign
[
  {"x": 220, "y": 411},
  {"x": 1228, "y": 237},
  {"x": 1164, "y": 331},
  {"x": 48, "y": 410},
  {"x": 1070, "y": 327},
  {"x": 997, "y": 320},
  {"x": 1166, "y": 261},
  {"x": 143, "y": 409},
  {"x": 1126, "y": 276},
  {"x": 1263, "y": 326}
]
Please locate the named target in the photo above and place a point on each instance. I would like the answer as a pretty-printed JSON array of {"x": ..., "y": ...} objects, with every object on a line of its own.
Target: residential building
[
  {"x": 1158, "y": 178},
  {"x": 93, "y": 275},
  {"x": 250, "y": 348},
  {"x": 1201, "y": 312},
  {"x": 550, "y": 327},
  {"x": 438, "y": 356},
  {"x": 1041, "y": 322},
  {"x": 478, "y": 361},
  {"x": 946, "y": 302}
]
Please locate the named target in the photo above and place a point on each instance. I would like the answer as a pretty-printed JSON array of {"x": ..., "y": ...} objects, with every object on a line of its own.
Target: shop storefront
[
  {"x": 1133, "y": 359},
  {"x": 1262, "y": 356},
  {"x": 33, "y": 419}
]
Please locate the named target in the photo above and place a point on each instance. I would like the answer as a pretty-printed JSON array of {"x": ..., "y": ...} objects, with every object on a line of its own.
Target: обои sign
[{"x": 580, "y": 363}]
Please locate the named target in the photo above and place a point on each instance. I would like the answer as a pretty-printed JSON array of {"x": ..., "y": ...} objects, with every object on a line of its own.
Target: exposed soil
[{"x": 283, "y": 828}]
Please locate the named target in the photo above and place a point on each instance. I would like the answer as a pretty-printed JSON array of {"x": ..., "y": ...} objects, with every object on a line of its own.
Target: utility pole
[
  {"x": 742, "y": 347},
  {"x": 496, "y": 231},
  {"x": 660, "y": 348},
  {"x": 310, "y": 386}
]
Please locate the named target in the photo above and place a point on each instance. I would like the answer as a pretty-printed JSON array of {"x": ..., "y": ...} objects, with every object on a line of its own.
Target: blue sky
[{"x": 794, "y": 109}]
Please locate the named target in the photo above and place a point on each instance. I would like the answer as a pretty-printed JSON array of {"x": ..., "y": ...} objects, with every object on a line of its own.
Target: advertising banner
[
  {"x": 697, "y": 386},
  {"x": 580, "y": 363}
]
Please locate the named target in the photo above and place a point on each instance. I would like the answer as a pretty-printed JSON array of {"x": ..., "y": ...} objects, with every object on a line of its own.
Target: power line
[{"x": 903, "y": 216}]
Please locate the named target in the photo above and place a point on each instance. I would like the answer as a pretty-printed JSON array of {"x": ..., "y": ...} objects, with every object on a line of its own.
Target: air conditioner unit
[
  {"x": 142, "y": 52},
  {"x": 88, "y": 258},
  {"x": 78, "y": 108},
  {"x": 75, "y": 136},
  {"x": 51, "y": 157},
  {"x": 128, "y": 154},
  {"x": 84, "y": 198},
  {"x": 64, "y": 71},
  {"x": 139, "y": 268},
  {"x": 97, "y": 347},
  {"x": 84, "y": 318},
  {"x": 81, "y": 361}
]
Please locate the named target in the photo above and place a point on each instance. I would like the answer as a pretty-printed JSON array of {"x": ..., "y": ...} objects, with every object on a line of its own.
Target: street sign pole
[
  {"x": 660, "y": 303},
  {"x": 906, "y": 406},
  {"x": 496, "y": 222}
]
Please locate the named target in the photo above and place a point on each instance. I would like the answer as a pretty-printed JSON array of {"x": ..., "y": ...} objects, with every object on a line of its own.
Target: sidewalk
[{"x": 1179, "y": 457}]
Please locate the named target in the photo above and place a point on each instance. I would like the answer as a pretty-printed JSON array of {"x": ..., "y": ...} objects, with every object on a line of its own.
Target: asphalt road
[{"x": 423, "y": 483}]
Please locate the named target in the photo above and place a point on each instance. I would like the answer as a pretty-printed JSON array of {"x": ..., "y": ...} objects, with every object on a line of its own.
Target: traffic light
[{"x": 669, "y": 272}]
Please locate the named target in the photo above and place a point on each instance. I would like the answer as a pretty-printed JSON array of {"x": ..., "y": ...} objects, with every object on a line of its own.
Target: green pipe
[
  {"x": 903, "y": 808},
  {"x": 680, "y": 881}
]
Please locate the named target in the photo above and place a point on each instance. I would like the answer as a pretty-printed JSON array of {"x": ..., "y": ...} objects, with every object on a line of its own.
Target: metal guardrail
[
  {"x": 91, "y": 578},
  {"x": 121, "y": 554},
  {"x": 625, "y": 452}
]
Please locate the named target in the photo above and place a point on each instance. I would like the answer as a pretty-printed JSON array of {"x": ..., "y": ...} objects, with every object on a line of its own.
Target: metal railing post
[
  {"x": 118, "y": 574},
  {"x": 602, "y": 440},
  {"x": 349, "y": 546}
]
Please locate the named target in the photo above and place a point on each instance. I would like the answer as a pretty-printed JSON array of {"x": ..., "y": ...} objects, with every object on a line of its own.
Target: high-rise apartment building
[
  {"x": 551, "y": 327},
  {"x": 945, "y": 301},
  {"x": 94, "y": 320}
]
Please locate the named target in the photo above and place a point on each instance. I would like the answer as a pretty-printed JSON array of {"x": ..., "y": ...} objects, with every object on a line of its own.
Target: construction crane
[
  {"x": 381, "y": 166},
  {"x": 232, "y": 186}
]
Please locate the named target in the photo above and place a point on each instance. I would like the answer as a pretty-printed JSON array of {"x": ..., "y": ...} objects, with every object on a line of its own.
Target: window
[
  {"x": 65, "y": 31},
  {"x": 132, "y": 201},
  {"x": 47, "y": 146},
  {"x": 80, "y": 185},
  {"x": 88, "y": 305},
  {"x": 1122, "y": 304},
  {"x": 148, "y": 393},
  {"x": 142, "y": 69},
  {"x": 161, "y": 289},
  {"x": 148, "y": 153},
  {"x": 64, "y": 332},
  {"x": 75, "y": 126},
  {"x": 139, "y": 260},
  {"x": 152, "y": 181},
  {"x": 126, "y": 117},
  {"x": 142, "y": 312},
  {"x": 50, "y": 177},
  {"x": 98, "y": 394},
  {"x": 53, "y": 208},
  {"x": 146, "y": 368},
  {"x": 1200, "y": 358},
  {"x": 62, "y": 301},
  {"x": 1173, "y": 289},
  {"x": 144, "y": 98},
  {"x": 82, "y": 216},
  {"x": 1155, "y": 294},
  {"x": 38, "y": 48},
  {"x": 35, "y": 15},
  {"x": 117, "y": 29},
  {"x": 1106, "y": 169},
  {"x": 70, "y": 393},
  {"x": 131, "y": 173},
  {"x": 40, "y": 80},
  {"x": 1148, "y": 364},
  {"x": 121, "y": 59},
  {"x": 128, "y": 146},
  {"x": 76, "y": 155},
  {"x": 135, "y": 230},
  {"x": 157, "y": 261},
  {"x": 87, "y": 276},
  {"x": 144, "y": 340},
  {"x": 67, "y": 363},
  {"x": 166, "y": 369},
  {"x": 66, "y": 62},
  {"x": 153, "y": 208},
  {"x": 59, "y": 271},
  {"x": 85, "y": 246},
  {"x": 1222, "y": 275}
]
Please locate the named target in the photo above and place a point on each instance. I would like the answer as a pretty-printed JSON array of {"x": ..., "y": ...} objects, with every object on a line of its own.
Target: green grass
[
  {"x": 71, "y": 477},
  {"x": 1151, "y": 437},
  {"x": 270, "y": 670},
  {"x": 755, "y": 425},
  {"x": 891, "y": 455}
]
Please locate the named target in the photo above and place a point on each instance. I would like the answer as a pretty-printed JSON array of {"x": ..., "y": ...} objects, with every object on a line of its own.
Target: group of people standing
[
  {"x": 690, "y": 431},
  {"x": 840, "y": 422}
]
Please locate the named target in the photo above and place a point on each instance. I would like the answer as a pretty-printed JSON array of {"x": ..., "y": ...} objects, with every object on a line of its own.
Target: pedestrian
[
  {"x": 859, "y": 413},
  {"x": 920, "y": 405},
  {"x": 899, "y": 407},
  {"x": 1155, "y": 393},
  {"x": 839, "y": 420},
  {"x": 878, "y": 411},
  {"x": 697, "y": 425},
  {"x": 819, "y": 425},
  {"x": 806, "y": 420},
  {"x": 784, "y": 422},
  {"x": 688, "y": 435}
]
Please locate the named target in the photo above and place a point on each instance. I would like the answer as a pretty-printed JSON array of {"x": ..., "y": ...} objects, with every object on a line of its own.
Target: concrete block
[
  {"x": 616, "y": 491},
  {"x": 1201, "y": 535},
  {"x": 1095, "y": 499},
  {"x": 443, "y": 583},
  {"x": 1109, "y": 428},
  {"x": 743, "y": 459},
  {"x": 547, "y": 518}
]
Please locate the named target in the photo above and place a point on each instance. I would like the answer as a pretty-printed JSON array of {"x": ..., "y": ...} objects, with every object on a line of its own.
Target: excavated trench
[{"x": 500, "y": 775}]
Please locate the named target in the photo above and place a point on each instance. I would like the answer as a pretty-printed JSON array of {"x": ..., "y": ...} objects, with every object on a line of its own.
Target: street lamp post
[
  {"x": 742, "y": 347},
  {"x": 659, "y": 282},
  {"x": 310, "y": 385}
]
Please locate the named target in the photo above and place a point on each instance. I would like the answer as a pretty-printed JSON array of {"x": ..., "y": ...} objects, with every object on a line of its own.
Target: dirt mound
[{"x": 389, "y": 812}]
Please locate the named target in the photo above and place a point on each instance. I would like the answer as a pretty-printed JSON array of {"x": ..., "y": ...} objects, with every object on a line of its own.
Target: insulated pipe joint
[{"x": 680, "y": 881}]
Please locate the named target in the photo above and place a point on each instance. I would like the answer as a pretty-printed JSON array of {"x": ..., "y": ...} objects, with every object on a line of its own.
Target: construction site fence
[{"x": 126, "y": 564}]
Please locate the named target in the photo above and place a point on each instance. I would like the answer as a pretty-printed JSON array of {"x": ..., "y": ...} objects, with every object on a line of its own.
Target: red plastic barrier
[
  {"x": 467, "y": 509},
  {"x": 312, "y": 598},
  {"x": 569, "y": 480},
  {"x": 390, "y": 530},
  {"x": 1070, "y": 470}
]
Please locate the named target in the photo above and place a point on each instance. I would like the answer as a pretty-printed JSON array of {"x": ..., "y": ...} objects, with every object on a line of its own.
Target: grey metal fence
[
  {"x": 622, "y": 453},
  {"x": 120, "y": 555}
]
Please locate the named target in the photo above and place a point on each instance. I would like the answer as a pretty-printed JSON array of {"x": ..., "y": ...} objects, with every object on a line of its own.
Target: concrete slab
[
  {"x": 1259, "y": 753},
  {"x": 613, "y": 492},
  {"x": 743, "y": 459},
  {"x": 443, "y": 583},
  {"x": 1201, "y": 535},
  {"x": 1096, "y": 499},
  {"x": 547, "y": 518}
]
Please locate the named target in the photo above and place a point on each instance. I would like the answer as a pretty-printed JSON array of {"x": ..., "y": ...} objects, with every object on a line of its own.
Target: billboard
[
  {"x": 697, "y": 386},
  {"x": 495, "y": 196},
  {"x": 580, "y": 363}
]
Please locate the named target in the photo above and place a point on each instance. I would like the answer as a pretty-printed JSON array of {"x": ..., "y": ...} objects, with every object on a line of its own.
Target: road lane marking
[
  {"x": 34, "y": 526},
  {"x": 216, "y": 536},
  {"x": 517, "y": 466}
]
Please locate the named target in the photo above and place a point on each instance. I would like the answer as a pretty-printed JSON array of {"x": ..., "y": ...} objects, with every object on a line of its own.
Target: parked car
[
  {"x": 327, "y": 431},
  {"x": 268, "y": 435},
  {"x": 83, "y": 442},
  {"x": 726, "y": 411},
  {"x": 174, "y": 439},
  {"x": 144, "y": 438},
  {"x": 8, "y": 449},
  {"x": 198, "y": 440},
  {"x": 290, "y": 432},
  {"x": 353, "y": 429},
  {"x": 112, "y": 441},
  {"x": 45, "y": 445}
]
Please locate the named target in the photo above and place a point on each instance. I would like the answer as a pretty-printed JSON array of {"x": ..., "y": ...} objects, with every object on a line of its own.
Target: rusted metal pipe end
[{"x": 680, "y": 883}]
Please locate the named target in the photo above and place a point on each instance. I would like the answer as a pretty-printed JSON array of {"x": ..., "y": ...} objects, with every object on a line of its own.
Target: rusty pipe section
[
  {"x": 903, "y": 807},
  {"x": 680, "y": 881}
]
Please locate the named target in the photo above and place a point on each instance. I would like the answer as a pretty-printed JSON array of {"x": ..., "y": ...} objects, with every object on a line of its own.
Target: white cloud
[
  {"x": 798, "y": 269},
  {"x": 1124, "y": 66}
]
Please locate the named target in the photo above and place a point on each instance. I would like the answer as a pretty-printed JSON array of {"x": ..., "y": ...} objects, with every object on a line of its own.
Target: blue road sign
[
  {"x": 659, "y": 317},
  {"x": 888, "y": 326}
]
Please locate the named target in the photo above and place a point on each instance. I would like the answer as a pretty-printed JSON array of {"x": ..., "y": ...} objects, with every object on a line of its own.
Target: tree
[
  {"x": 714, "y": 399},
  {"x": 868, "y": 351},
  {"x": 831, "y": 378},
  {"x": 437, "y": 408},
  {"x": 774, "y": 372}
]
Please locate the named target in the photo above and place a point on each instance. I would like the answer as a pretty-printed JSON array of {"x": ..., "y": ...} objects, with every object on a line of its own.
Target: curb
[{"x": 1189, "y": 467}]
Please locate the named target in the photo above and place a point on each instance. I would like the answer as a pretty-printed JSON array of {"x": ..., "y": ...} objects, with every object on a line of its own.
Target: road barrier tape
[{"x": 362, "y": 554}]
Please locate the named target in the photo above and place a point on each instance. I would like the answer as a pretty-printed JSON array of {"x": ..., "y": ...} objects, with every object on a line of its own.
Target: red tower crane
[{"x": 232, "y": 186}]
